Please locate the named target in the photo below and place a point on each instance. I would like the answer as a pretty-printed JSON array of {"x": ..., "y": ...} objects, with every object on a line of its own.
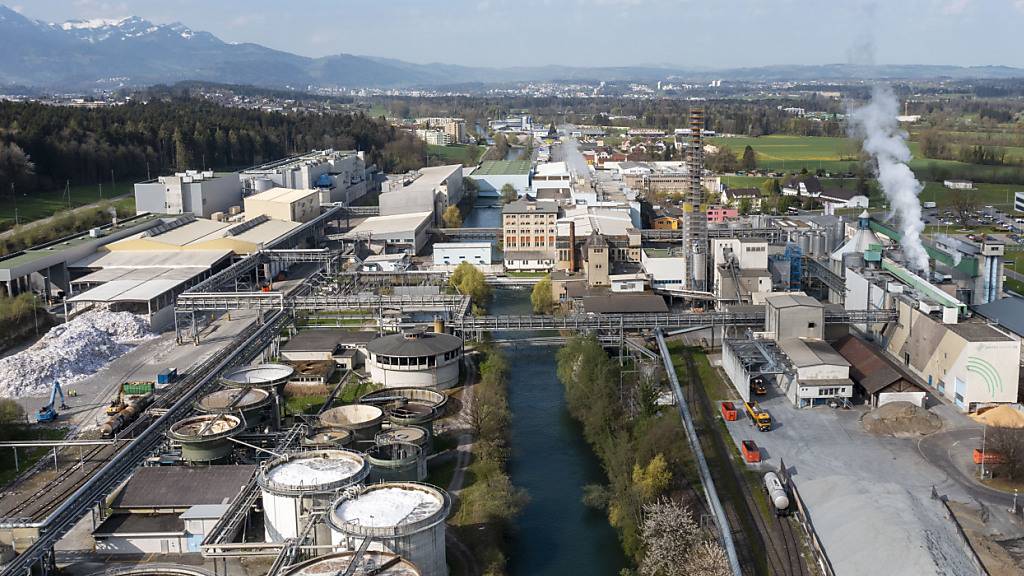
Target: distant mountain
[{"x": 98, "y": 54}]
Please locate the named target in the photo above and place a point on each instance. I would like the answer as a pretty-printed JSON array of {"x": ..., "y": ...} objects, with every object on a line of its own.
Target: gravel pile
[
  {"x": 901, "y": 419},
  {"x": 1001, "y": 417},
  {"x": 71, "y": 352}
]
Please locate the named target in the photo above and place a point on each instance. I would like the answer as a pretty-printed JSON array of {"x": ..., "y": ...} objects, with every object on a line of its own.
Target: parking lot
[{"x": 868, "y": 496}]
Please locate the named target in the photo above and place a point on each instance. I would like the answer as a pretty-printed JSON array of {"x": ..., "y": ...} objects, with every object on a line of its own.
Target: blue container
[{"x": 167, "y": 375}]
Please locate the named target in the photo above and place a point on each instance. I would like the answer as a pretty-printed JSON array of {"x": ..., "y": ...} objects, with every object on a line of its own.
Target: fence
[
  {"x": 817, "y": 548},
  {"x": 961, "y": 535}
]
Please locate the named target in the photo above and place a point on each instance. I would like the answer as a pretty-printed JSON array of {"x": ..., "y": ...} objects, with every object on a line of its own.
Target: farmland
[{"x": 46, "y": 204}]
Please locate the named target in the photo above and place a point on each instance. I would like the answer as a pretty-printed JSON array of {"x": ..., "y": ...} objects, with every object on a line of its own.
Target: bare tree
[
  {"x": 964, "y": 205},
  {"x": 676, "y": 546},
  {"x": 1008, "y": 443}
]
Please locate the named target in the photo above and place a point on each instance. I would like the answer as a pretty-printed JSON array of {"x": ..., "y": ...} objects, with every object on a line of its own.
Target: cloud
[
  {"x": 1019, "y": 5},
  {"x": 956, "y": 7}
]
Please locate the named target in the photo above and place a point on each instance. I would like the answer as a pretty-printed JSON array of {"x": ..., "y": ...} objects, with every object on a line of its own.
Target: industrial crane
[{"x": 48, "y": 413}]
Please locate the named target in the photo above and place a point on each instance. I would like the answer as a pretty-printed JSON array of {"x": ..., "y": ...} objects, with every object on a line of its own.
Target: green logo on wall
[{"x": 987, "y": 372}]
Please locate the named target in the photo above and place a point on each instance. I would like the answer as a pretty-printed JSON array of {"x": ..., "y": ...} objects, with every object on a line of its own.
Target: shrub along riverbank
[
  {"x": 488, "y": 501},
  {"x": 640, "y": 445}
]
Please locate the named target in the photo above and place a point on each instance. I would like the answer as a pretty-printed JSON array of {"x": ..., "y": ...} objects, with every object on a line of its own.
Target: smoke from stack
[{"x": 887, "y": 144}]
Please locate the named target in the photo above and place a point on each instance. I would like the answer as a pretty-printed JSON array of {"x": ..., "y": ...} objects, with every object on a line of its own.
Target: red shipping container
[
  {"x": 750, "y": 451},
  {"x": 729, "y": 411}
]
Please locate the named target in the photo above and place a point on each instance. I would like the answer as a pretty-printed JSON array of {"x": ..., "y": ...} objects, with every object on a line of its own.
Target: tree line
[{"x": 42, "y": 146}]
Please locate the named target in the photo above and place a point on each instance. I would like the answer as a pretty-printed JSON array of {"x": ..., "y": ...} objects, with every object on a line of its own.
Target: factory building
[
  {"x": 203, "y": 194},
  {"x": 740, "y": 269},
  {"x": 794, "y": 315},
  {"x": 168, "y": 509},
  {"x": 880, "y": 381},
  {"x": 666, "y": 267},
  {"x": 339, "y": 176},
  {"x": 552, "y": 176},
  {"x": 819, "y": 375},
  {"x": 415, "y": 358},
  {"x": 448, "y": 255},
  {"x": 428, "y": 189},
  {"x": 398, "y": 232},
  {"x": 293, "y": 205},
  {"x": 346, "y": 348},
  {"x": 492, "y": 175},
  {"x": 529, "y": 230}
]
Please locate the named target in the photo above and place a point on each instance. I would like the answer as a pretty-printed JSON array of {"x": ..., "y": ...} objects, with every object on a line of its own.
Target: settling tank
[
  {"x": 433, "y": 398},
  {"x": 412, "y": 414},
  {"x": 362, "y": 419},
  {"x": 374, "y": 562},
  {"x": 398, "y": 462},
  {"x": 297, "y": 483},
  {"x": 336, "y": 438},
  {"x": 254, "y": 404},
  {"x": 259, "y": 376},
  {"x": 407, "y": 518},
  {"x": 407, "y": 435},
  {"x": 205, "y": 438}
]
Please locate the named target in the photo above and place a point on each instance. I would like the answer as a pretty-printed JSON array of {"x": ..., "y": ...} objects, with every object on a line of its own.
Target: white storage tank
[
  {"x": 362, "y": 420},
  {"x": 298, "y": 483},
  {"x": 408, "y": 518}
]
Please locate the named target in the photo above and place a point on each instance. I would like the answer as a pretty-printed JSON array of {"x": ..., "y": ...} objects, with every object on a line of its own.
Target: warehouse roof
[
  {"x": 625, "y": 304},
  {"x": 867, "y": 367},
  {"x": 376, "y": 225},
  {"x": 978, "y": 332},
  {"x": 282, "y": 195},
  {"x": 135, "y": 285},
  {"x": 125, "y": 524},
  {"x": 151, "y": 259},
  {"x": 414, "y": 343},
  {"x": 181, "y": 487},
  {"x": 529, "y": 207},
  {"x": 325, "y": 339},
  {"x": 791, "y": 300},
  {"x": 806, "y": 352},
  {"x": 1008, "y": 312},
  {"x": 503, "y": 168}
]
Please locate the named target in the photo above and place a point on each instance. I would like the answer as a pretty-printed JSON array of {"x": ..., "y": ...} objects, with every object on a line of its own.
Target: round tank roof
[
  {"x": 394, "y": 454},
  {"x": 241, "y": 398},
  {"x": 411, "y": 411},
  {"x": 334, "y": 564},
  {"x": 335, "y": 437},
  {"x": 262, "y": 375},
  {"x": 204, "y": 428},
  {"x": 315, "y": 470},
  {"x": 421, "y": 395},
  {"x": 154, "y": 569},
  {"x": 404, "y": 435},
  {"x": 352, "y": 416},
  {"x": 390, "y": 508},
  {"x": 414, "y": 344}
]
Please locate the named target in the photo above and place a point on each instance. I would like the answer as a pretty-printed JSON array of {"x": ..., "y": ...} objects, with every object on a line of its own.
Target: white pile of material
[
  {"x": 385, "y": 507},
  {"x": 71, "y": 352},
  {"x": 314, "y": 471}
]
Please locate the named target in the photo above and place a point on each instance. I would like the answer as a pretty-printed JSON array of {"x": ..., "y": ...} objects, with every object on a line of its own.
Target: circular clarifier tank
[
  {"x": 325, "y": 439},
  {"x": 375, "y": 562},
  {"x": 433, "y": 398},
  {"x": 398, "y": 462},
  {"x": 253, "y": 403},
  {"x": 406, "y": 435},
  {"x": 205, "y": 438},
  {"x": 407, "y": 517},
  {"x": 258, "y": 376},
  {"x": 363, "y": 420}
]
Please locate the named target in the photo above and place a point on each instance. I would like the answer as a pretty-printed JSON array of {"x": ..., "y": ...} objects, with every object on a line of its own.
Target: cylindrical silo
[
  {"x": 362, "y": 420},
  {"x": 805, "y": 243},
  {"x": 699, "y": 268},
  {"x": 325, "y": 439},
  {"x": 262, "y": 185},
  {"x": 373, "y": 562},
  {"x": 417, "y": 435},
  {"x": 297, "y": 483},
  {"x": 205, "y": 438},
  {"x": 396, "y": 463},
  {"x": 254, "y": 404},
  {"x": 407, "y": 518}
]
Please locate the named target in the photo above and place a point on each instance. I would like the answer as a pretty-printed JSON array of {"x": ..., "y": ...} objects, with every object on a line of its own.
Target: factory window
[{"x": 811, "y": 324}]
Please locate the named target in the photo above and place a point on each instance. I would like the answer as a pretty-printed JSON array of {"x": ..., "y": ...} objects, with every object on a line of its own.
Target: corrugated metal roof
[
  {"x": 1008, "y": 312},
  {"x": 182, "y": 487}
]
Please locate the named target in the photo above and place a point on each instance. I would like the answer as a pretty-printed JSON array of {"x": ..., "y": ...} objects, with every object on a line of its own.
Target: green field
[
  {"x": 456, "y": 153},
  {"x": 45, "y": 204}
]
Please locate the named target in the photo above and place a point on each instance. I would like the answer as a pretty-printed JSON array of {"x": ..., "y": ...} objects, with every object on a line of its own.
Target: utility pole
[
  {"x": 113, "y": 183},
  {"x": 14, "y": 197}
]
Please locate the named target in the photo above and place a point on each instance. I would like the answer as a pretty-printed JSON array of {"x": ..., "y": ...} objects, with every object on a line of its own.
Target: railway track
[
  {"x": 38, "y": 504},
  {"x": 777, "y": 539}
]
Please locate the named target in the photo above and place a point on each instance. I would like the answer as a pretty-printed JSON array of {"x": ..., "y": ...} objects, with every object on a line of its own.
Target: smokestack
[
  {"x": 886, "y": 143},
  {"x": 572, "y": 245}
]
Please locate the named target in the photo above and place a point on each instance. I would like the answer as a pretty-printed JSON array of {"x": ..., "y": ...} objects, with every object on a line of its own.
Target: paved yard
[{"x": 868, "y": 496}]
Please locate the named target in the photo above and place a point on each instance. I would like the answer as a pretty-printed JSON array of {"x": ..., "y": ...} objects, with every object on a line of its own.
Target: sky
[{"x": 682, "y": 33}]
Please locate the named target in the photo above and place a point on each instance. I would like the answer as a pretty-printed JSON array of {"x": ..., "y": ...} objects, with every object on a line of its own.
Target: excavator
[{"x": 48, "y": 413}]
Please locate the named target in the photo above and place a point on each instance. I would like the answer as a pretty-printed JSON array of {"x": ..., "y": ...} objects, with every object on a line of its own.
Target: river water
[{"x": 556, "y": 534}]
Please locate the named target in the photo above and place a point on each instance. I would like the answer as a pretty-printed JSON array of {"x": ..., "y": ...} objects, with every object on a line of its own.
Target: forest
[{"x": 43, "y": 147}]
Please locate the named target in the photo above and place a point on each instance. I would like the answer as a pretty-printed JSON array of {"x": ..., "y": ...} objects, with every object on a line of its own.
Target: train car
[
  {"x": 777, "y": 494},
  {"x": 126, "y": 416}
]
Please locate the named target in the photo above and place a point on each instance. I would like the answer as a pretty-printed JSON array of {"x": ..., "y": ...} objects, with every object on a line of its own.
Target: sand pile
[
  {"x": 901, "y": 419},
  {"x": 71, "y": 351},
  {"x": 1001, "y": 417}
]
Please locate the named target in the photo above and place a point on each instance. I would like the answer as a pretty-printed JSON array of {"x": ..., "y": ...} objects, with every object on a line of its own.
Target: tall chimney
[{"x": 572, "y": 245}]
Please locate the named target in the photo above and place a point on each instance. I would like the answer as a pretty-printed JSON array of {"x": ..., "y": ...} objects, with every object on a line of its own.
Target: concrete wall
[
  {"x": 442, "y": 376},
  {"x": 150, "y": 197},
  {"x": 492, "y": 184},
  {"x": 142, "y": 545},
  {"x": 795, "y": 322},
  {"x": 452, "y": 254},
  {"x": 216, "y": 195},
  {"x": 738, "y": 377},
  {"x": 668, "y": 272}
]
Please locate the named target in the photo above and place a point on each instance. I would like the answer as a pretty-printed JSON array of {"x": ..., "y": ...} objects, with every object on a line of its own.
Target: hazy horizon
[{"x": 596, "y": 33}]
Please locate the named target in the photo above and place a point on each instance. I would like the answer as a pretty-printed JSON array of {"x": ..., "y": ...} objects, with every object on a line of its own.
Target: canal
[{"x": 556, "y": 534}]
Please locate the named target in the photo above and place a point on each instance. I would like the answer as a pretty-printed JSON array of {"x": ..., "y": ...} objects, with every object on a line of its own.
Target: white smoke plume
[{"x": 876, "y": 123}]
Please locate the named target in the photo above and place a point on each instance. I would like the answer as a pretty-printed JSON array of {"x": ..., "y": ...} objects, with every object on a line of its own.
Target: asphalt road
[{"x": 939, "y": 449}]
